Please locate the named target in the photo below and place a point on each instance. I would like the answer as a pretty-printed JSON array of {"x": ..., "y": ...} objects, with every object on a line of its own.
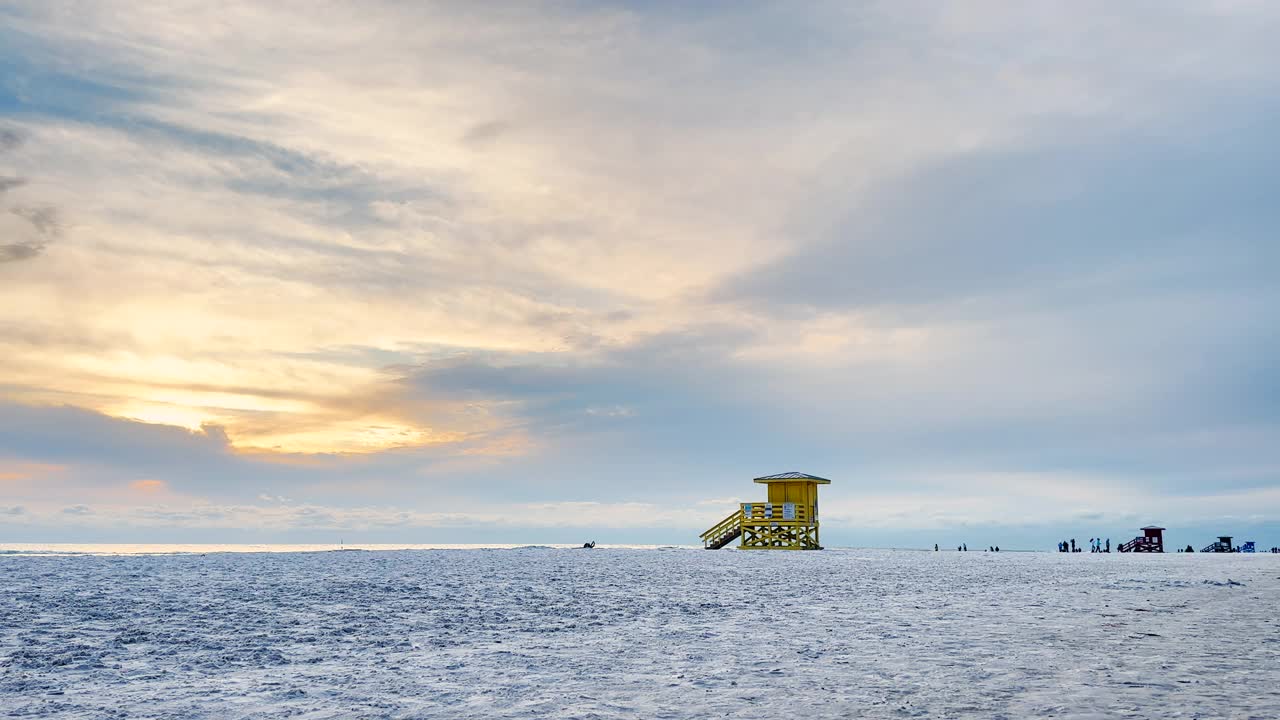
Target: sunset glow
[{"x": 409, "y": 265}]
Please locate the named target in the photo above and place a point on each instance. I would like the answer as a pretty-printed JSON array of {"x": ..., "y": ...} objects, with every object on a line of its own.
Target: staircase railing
[
  {"x": 726, "y": 529},
  {"x": 1141, "y": 544}
]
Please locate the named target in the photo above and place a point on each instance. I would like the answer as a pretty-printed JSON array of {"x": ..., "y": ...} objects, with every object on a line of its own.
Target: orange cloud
[
  {"x": 27, "y": 471},
  {"x": 149, "y": 486}
]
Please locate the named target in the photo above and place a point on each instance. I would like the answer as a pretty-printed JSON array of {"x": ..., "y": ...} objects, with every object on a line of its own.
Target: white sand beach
[{"x": 620, "y": 633}]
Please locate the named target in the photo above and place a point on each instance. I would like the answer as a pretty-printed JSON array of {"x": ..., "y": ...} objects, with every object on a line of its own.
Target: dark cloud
[
  {"x": 1075, "y": 206},
  {"x": 44, "y": 228},
  {"x": 41, "y": 223},
  {"x": 665, "y": 367},
  {"x": 15, "y": 510},
  {"x": 216, "y": 433},
  {"x": 10, "y": 139},
  {"x": 9, "y": 183},
  {"x": 44, "y": 219},
  {"x": 77, "y": 510},
  {"x": 485, "y": 133},
  {"x": 20, "y": 251},
  {"x": 113, "y": 452},
  {"x": 1106, "y": 389},
  {"x": 670, "y": 399},
  {"x": 341, "y": 193},
  {"x": 66, "y": 434}
]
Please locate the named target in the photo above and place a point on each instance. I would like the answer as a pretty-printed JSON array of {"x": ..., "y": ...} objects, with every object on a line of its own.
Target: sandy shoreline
[{"x": 622, "y": 633}]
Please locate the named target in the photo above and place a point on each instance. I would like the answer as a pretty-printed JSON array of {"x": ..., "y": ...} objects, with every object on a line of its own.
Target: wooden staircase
[
  {"x": 723, "y": 532},
  {"x": 1142, "y": 545}
]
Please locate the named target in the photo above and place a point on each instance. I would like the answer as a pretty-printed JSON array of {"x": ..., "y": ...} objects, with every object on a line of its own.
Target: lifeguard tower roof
[
  {"x": 1153, "y": 527},
  {"x": 792, "y": 476}
]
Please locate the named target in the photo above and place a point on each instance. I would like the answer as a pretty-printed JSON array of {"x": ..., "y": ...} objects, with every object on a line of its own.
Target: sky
[{"x": 548, "y": 272}]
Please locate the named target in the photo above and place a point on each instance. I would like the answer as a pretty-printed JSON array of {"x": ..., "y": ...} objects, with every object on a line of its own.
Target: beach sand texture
[{"x": 612, "y": 633}]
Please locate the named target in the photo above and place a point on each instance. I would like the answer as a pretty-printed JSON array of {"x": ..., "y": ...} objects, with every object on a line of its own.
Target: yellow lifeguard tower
[{"x": 787, "y": 521}]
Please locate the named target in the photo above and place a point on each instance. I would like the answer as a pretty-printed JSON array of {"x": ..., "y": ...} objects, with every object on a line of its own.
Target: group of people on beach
[{"x": 1095, "y": 545}]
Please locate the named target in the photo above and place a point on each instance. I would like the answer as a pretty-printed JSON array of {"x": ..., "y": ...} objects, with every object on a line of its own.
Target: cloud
[
  {"x": 483, "y": 259},
  {"x": 83, "y": 453},
  {"x": 888, "y": 510},
  {"x": 1069, "y": 215},
  {"x": 283, "y": 517},
  {"x": 666, "y": 382},
  {"x": 25, "y": 471},
  {"x": 49, "y": 431},
  {"x": 148, "y": 486},
  {"x": 19, "y": 251},
  {"x": 25, "y": 230},
  {"x": 485, "y": 132},
  {"x": 264, "y": 497},
  {"x": 10, "y": 139},
  {"x": 44, "y": 219}
]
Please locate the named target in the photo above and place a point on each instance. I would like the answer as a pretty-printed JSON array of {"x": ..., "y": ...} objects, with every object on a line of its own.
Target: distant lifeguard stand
[
  {"x": 1152, "y": 541},
  {"x": 788, "y": 520},
  {"x": 1223, "y": 545}
]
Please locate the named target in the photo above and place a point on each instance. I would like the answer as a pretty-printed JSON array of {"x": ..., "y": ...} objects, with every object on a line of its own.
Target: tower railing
[
  {"x": 768, "y": 513},
  {"x": 723, "y": 532}
]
